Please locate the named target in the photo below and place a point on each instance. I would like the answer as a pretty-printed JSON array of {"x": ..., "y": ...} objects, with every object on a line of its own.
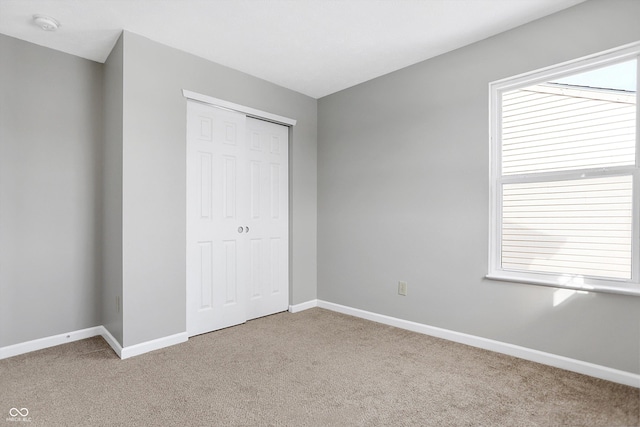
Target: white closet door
[
  {"x": 216, "y": 206},
  {"x": 267, "y": 289},
  {"x": 237, "y": 218}
]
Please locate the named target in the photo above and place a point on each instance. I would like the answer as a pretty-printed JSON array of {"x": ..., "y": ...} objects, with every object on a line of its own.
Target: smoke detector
[{"x": 45, "y": 22}]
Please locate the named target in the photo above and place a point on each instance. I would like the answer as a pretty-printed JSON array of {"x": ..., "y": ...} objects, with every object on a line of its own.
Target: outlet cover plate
[{"x": 402, "y": 288}]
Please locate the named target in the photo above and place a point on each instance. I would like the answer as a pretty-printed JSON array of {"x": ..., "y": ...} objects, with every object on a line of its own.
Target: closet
[{"x": 237, "y": 218}]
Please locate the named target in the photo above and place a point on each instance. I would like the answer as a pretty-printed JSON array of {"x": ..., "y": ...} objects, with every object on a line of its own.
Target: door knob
[
  {"x": 246, "y": 229},
  {"x": 240, "y": 229}
]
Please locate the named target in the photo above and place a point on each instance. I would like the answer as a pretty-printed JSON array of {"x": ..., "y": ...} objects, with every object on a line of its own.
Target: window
[{"x": 565, "y": 175}]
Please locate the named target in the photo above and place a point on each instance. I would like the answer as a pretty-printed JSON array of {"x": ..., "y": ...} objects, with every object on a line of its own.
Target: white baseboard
[
  {"x": 122, "y": 352},
  {"x": 574, "y": 365},
  {"x": 303, "y": 306},
  {"x": 42, "y": 343},
  {"x": 145, "y": 347},
  {"x": 579, "y": 366},
  {"x": 115, "y": 345}
]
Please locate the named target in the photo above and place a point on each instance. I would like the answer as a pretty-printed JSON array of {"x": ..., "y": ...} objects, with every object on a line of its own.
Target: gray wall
[
  {"x": 50, "y": 134},
  {"x": 89, "y": 213},
  {"x": 154, "y": 179},
  {"x": 403, "y": 167},
  {"x": 403, "y": 191},
  {"x": 112, "y": 192}
]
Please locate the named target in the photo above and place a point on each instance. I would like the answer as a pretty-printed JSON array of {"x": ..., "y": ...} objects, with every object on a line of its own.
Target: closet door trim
[{"x": 250, "y": 112}]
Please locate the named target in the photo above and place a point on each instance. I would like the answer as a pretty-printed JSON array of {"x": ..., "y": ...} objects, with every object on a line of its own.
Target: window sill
[{"x": 631, "y": 289}]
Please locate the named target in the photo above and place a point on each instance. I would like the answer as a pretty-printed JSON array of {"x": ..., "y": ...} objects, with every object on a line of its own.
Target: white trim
[
  {"x": 303, "y": 306},
  {"x": 574, "y": 365},
  {"x": 147, "y": 346},
  {"x": 496, "y": 179},
  {"x": 577, "y": 285},
  {"x": 46, "y": 342},
  {"x": 123, "y": 353},
  {"x": 110, "y": 339},
  {"x": 562, "y": 362},
  {"x": 251, "y": 112}
]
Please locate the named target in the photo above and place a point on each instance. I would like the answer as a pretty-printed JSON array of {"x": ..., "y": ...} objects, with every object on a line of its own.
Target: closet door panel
[{"x": 216, "y": 250}]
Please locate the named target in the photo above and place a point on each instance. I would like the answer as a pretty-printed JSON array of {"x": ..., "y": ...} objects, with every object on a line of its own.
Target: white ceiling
[{"x": 316, "y": 47}]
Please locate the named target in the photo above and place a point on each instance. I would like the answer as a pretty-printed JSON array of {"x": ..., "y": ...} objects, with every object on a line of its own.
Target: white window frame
[{"x": 584, "y": 283}]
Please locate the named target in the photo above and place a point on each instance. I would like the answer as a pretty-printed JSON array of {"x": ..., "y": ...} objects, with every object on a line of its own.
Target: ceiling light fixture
[{"x": 45, "y": 22}]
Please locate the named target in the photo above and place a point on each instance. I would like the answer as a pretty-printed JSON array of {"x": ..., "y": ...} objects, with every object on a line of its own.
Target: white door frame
[{"x": 249, "y": 112}]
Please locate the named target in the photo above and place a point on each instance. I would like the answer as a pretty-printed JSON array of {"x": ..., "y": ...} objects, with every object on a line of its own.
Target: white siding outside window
[
  {"x": 552, "y": 127},
  {"x": 577, "y": 227},
  {"x": 564, "y": 184}
]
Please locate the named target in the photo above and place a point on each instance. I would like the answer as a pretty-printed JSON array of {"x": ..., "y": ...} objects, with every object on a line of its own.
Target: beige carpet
[{"x": 314, "y": 368}]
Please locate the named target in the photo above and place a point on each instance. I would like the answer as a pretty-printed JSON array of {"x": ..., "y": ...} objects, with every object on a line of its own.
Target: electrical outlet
[
  {"x": 117, "y": 303},
  {"x": 402, "y": 288}
]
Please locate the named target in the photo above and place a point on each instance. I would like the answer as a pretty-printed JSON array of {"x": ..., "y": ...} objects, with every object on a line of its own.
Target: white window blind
[{"x": 564, "y": 172}]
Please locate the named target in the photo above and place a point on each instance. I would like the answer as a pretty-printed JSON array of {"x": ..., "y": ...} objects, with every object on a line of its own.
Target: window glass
[
  {"x": 578, "y": 227},
  {"x": 567, "y": 124}
]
